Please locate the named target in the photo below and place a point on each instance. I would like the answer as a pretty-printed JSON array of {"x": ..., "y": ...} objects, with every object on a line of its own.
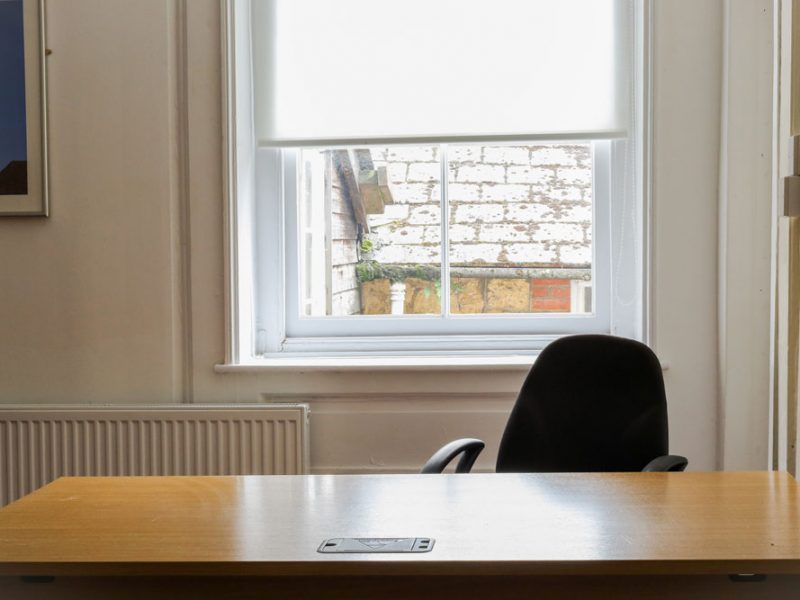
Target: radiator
[{"x": 39, "y": 444}]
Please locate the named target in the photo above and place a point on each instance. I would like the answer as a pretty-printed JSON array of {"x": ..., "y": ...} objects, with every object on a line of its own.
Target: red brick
[
  {"x": 558, "y": 281},
  {"x": 560, "y": 292},
  {"x": 540, "y": 291},
  {"x": 550, "y": 305}
]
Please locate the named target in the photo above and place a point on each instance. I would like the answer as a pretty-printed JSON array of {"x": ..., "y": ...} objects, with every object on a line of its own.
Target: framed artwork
[{"x": 23, "y": 119}]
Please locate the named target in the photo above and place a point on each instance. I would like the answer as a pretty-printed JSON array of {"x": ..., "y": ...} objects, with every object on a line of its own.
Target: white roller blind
[{"x": 345, "y": 71}]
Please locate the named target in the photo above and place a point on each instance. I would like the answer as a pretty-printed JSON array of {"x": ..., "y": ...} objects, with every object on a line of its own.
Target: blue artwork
[{"x": 13, "y": 138}]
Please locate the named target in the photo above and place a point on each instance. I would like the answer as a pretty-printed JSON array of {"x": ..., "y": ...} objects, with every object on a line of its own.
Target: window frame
[{"x": 256, "y": 334}]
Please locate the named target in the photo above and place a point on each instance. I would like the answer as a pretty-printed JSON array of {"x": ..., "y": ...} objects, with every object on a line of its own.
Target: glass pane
[
  {"x": 520, "y": 228},
  {"x": 370, "y": 231}
]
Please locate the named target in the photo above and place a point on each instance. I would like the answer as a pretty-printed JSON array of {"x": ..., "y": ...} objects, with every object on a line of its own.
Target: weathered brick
[
  {"x": 464, "y": 192},
  {"x": 412, "y": 153},
  {"x": 409, "y": 234},
  {"x": 567, "y": 193},
  {"x": 481, "y": 173},
  {"x": 475, "y": 254},
  {"x": 425, "y": 215},
  {"x": 575, "y": 255},
  {"x": 506, "y": 192},
  {"x": 397, "y": 172},
  {"x": 432, "y": 234},
  {"x": 458, "y": 154},
  {"x": 412, "y": 193},
  {"x": 504, "y": 232},
  {"x": 530, "y": 253},
  {"x": 400, "y": 254},
  {"x": 577, "y": 213},
  {"x": 527, "y": 213},
  {"x": 507, "y": 155},
  {"x": 553, "y": 156},
  {"x": 577, "y": 176},
  {"x": 391, "y": 214},
  {"x": 529, "y": 174},
  {"x": 558, "y": 232},
  {"x": 478, "y": 213},
  {"x": 424, "y": 172},
  {"x": 463, "y": 233}
]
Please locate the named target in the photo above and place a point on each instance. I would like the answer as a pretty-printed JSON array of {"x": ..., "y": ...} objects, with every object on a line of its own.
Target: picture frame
[{"x": 23, "y": 109}]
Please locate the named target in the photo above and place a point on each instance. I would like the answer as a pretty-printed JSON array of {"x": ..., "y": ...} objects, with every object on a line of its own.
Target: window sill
[{"x": 509, "y": 362}]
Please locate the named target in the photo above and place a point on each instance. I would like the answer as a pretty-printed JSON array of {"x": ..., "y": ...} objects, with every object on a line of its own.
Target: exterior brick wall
[
  {"x": 471, "y": 295},
  {"x": 517, "y": 206}
]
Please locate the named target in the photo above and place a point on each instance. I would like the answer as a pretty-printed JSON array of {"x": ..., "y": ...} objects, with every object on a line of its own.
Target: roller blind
[{"x": 351, "y": 71}]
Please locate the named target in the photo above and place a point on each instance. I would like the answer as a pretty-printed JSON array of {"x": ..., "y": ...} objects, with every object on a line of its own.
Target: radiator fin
[{"x": 38, "y": 445}]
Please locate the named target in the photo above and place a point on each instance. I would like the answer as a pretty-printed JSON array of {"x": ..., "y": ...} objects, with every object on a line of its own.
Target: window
[{"x": 448, "y": 176}]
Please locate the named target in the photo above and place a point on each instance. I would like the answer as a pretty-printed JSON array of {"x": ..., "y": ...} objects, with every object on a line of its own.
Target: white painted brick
[
  {"x": 424, "y": 171},
  {"x": 529, "y": 174},
  {"x": 475, "y": 254},
  {"x": 528, "y": 253},
  {"x": 575, "y": 176},
  {"x": 506, "y": 155},
  {"x": 464, "y": 154},
  {"x": 504, "y": 232},
  {"x": 412, "y": 153},
  {"x": 379, "y": 155},
  {"x": 425, "y": 215},
  {"x": 481, "y": 173},
  {"x": 577, "y": 214},
  {"x": 564, "y": 194},
  {"x": 463, "y": 233},
  {"x": 464, "y": 192},
  {"x": 575, "y": 255},
  {"x": 412, "y": 193},
  {"x": 472, "y": 213},
  {"x": 401, "y": 254},
  {"x": 397, "y": 172},
  {"x": 554, "y": 156},
  {"x": 506, "y": 192},
  {"x": 527, "y": 213},
  {"x": 433, "y": 234},
  {"x": 558, "y": 232},
  {"x": 391, "y": 214},
  {"x": 408, "y": 235}
]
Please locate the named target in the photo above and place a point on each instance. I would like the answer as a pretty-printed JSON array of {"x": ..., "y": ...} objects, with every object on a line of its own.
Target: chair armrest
[
  {"x": 666, "y": 463},
  {"x": 470, "y": 448}
]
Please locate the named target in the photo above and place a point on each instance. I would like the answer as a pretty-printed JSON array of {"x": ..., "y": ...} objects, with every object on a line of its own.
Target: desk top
[{"x": 524, "y": 524}]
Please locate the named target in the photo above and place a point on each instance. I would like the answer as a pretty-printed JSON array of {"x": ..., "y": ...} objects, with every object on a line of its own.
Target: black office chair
[{"x": 589, "y": 403}]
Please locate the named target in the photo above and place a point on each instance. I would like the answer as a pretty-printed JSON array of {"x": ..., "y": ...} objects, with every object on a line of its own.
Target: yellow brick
[
  {"x": 421, "y": 297},
  {"x": 508, "y": 296},
  {"x": 375, "y": 298},
  {"x": 466, "y": 295}
]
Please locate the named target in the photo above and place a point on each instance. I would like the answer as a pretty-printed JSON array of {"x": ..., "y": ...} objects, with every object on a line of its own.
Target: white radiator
[{"x": 40, "y": 443}]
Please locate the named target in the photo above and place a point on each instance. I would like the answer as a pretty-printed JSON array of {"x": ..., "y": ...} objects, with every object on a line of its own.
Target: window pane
[
  {"x": 520, "y": 230},
  {"x": 370, "y": 231}
]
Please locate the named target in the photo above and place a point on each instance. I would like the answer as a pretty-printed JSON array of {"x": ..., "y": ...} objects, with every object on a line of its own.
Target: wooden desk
[{"x": 642, "y": 535}]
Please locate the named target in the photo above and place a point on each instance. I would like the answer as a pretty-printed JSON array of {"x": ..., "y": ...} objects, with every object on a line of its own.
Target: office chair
[{"x": 589, "y": 403}]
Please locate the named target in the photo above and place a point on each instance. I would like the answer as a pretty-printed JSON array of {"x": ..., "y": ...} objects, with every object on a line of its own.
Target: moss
[{"x": 367, "y": 270}]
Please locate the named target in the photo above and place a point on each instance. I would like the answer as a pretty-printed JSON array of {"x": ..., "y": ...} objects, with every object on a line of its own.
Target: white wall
[{"x": 101, "y": 304}]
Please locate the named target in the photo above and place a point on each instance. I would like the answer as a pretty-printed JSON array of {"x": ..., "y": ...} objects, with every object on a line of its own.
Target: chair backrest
[{"x": 589, "y": 403}]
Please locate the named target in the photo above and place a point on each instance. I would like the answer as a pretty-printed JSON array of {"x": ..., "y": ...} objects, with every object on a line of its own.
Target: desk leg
[{"x": 639, "y": 587}]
